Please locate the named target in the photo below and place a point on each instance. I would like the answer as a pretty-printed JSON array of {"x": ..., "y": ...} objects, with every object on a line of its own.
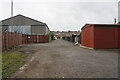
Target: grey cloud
[{"x": 66, "y": 15}]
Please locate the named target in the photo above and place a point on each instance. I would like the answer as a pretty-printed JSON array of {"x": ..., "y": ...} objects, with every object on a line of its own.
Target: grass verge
[{"x": 11, "y": 61}]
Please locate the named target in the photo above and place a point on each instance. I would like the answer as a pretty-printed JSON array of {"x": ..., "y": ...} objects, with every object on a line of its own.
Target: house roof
[{"x": 100, "y": 25}]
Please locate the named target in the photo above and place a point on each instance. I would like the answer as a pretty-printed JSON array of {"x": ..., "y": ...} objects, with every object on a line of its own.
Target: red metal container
[
  {"x": 88, "y": 36},
  {"x": 101, "y": 36},
  {"x": 118, "y": 37}
]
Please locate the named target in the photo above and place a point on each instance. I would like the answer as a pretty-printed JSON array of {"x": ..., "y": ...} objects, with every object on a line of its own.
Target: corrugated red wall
[
  {"x": 118, "y": 37},
  {"x": 87, "y": 36},
  {"x": 106, "y": 37},
  {"x": 101, "y": 36}
]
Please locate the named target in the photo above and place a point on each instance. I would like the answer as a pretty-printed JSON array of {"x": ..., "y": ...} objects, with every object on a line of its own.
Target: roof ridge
[{"x": 23, "y": 16}]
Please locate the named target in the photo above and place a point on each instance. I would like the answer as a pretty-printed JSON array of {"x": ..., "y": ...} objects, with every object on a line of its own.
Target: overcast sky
[{"x": 64, "y": 14}]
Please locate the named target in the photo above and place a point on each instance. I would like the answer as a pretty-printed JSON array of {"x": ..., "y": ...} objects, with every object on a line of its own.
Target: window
[{"x": 20, "y": 29}]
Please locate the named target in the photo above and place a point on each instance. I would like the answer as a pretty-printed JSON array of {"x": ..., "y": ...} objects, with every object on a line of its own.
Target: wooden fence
[{"x": 11, "y": 39}]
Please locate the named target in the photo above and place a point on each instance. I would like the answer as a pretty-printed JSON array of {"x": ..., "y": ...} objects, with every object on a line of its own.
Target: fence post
[{"x": 5, "y": 31}]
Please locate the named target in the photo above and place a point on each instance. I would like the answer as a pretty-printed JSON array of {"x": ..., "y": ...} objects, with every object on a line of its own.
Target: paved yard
[{"x": 61, "y": 59}]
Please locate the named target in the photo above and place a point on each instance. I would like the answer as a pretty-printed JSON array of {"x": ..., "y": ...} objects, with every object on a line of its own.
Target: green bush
[{"x": 50, "y": 35}]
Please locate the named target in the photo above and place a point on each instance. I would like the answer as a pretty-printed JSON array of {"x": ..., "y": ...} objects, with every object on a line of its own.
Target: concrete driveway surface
[{"x": 62, "y": 59}]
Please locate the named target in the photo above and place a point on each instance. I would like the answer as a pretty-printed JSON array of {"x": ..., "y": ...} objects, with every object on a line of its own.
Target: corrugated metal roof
[
  {"x": 22, "y": 16},
  {"x": 100, "y": 25},
  {"x": 36, "y": 22}
]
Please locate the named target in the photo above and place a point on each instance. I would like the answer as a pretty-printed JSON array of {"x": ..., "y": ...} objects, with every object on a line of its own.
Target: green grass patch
[{"x": 12, "y": 61}]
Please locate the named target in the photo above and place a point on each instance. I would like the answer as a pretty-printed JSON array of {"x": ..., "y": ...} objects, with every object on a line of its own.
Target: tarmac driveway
[{"x": 62, "y": 59}]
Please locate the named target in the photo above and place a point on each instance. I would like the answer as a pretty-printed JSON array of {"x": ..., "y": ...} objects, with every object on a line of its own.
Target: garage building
[{"x": 101, "y": 36}]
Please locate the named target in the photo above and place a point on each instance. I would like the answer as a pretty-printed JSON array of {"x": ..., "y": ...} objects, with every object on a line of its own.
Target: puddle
[{"x": 27, "y": 52}]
